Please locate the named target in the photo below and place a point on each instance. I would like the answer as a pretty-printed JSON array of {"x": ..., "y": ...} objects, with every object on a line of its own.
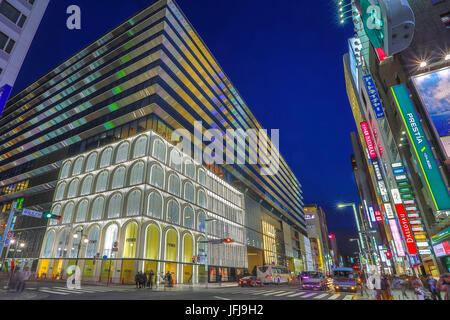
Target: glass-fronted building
[{"x": 152, "y": 72}]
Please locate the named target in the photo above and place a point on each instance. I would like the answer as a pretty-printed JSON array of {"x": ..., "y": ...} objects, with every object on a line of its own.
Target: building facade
[
  {"x": 140, "y": 204},
  {"x": 19, "y": 20},
  {"x": 152, "y": 72}
]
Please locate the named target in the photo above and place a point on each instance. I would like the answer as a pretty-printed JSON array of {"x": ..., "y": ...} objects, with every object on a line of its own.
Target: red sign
[
  {"x": 378, "y": 215},
  {"x": 442, "y": 249},
  {"x": 406, "y": 229},
  {"x": 368, "y": 138}
]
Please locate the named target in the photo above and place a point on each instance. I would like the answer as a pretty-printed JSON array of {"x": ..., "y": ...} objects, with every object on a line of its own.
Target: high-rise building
[
  {"x": 395, "y": 69},
  {"x": 152, "y": 72},
  {"x": 19, "y": 20}
]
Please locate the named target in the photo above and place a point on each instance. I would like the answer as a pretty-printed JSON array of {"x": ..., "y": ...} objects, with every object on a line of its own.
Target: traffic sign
[
  {"x": 7, "y": 241},
  {"x": 105, "y": 257},
  {"x": 10, "y": 234},
  {"x": 32, "y": 213}
]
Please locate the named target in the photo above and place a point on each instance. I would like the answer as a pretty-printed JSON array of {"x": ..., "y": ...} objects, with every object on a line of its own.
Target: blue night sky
[{"x": 285, "y": 58}]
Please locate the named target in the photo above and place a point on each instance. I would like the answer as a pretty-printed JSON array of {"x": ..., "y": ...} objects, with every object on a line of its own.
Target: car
[
  {"x": 250, "y": 281},
  {"x": 315, "y": 281},
  {"x": 346, "y": 279}
]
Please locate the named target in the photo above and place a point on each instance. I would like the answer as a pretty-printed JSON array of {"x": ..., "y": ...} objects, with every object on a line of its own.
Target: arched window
[
  {"x": 82, "y": 211},
  {"x": 189, "y": 192},
  {"x": 105, "y": 159},
  {"x": 91, "y": 161},
  {"x": 102, "y": 181},
  {"x": 110, "y": 238},
  {"x": 159, "y": 150},
  {"x": 77, "y": 166},
  {"x": 63, "y": 243},
  {"x": 68, "y": 213},
  {"x": 129, "y": 250},
  {"x": 97, "y": 208},
  {"x": 73, "y": 189},
  {"x": 202, "y": 177},
  {"x": 151, "y": 242},
  {"x": 56, "y": 211},
  {"x": 140, "y": 147},
  {"x": 86, "y": 186},
  {"x": 174, "y": 184},
  {"x": 76, "y": 242},
  {"x": 91, "y": 250},
  {"x": 157, "y": 176},
  {"x": 201, "y": 196},
  {"x": 115, "y": 206},
  {"x": 134, "y": 203},
  {"x": 188, "y": 217},
  {"x": 60, "y": 191},
  {"x": 122, "y": 152},
  {"x": 173, "y": 212},
  {"x": 154, "y": 208},
  {"x": 118, "y": 179},
  {"x": 49, "y": 244},
  {"x": 187, "y": 248},
  {"x": 189, "y": 169},
  {"x": 171, "y": 245},
  {"x": 175, "y": 160},
  {"x": 65, "y": 170},
  {"x": 137, "y": 173},
  {"x": 201, "y": 222}
]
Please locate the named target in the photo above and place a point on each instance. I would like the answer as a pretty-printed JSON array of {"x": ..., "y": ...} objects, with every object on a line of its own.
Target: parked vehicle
[
  {"x": 273, "y": 274},
  {"x": 316, "y": 281},
  {"x": 250, "y": 281},
  {"x": 345, "y": 279}
]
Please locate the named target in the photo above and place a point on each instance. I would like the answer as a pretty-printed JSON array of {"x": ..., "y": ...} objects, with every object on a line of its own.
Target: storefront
[{"x": 441, "y": 248}]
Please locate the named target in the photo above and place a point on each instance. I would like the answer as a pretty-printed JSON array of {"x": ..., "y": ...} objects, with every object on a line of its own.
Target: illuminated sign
[
  {"x": 397, "y": 239},
  {"x": 417, "y": 229},
  {"x": 409, "y": 202},
  {"x": 422, "y": 244},
  {"x": 372, "y": 215},
  {"x": 413, "y": 215},
  {"x": 406, "y": 227},
  {"x": 368, "y": 138},
  {"x": 397, "y": 165},
  {"x": 378, "y": 215},
  {"x": 382, "y": 188},
  {"x": 398, "y": 171},
  {"x": 309, "y": 216},
  {"x": 389, "y": 211},
  {"x": 441, "y": 235},
  {"x": 411, "y": 208},
  {"x": 377, "y": 170},
  {"x": 415, "y": 222},
  {"x": 424, "y": 252},
  {"x": 396, "y": 196},
  {"x": 422, "y": 150},
  {"x": 400, "y": 177},
  {"x": 436, "y": 103},
  {"x": 382, "y": 254},
  {"x": 442, "y": 249},
  {"x": 403, "y": 183},
  {"x": 373, "y": 96}
]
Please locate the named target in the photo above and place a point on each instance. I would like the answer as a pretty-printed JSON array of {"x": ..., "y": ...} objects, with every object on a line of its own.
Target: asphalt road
[{"x": 58, "y": 291}]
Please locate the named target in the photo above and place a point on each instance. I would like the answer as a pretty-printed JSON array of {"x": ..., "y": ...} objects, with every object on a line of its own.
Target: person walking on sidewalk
[
  {"x": 144, "y": 279},
  {"x": 431, "y": 286},
  {"x": 150, "y": 279},
  {"x": 137, "y": 280},
  {"x": 443, "y": 285}
]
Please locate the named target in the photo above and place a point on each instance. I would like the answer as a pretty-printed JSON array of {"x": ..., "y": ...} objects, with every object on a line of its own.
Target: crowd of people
[
  {"x": 418, "y": 288},
  {"x": 143, "y": 279}
]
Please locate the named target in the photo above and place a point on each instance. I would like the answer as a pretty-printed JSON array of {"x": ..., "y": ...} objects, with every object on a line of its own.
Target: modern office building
[
  {"x": 19, "y": 20},
  {"x": 395, "y": 76},
  {"x": 152, "y": 72}
]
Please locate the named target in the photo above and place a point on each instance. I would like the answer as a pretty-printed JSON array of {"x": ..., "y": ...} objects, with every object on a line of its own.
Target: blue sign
[
  {"x": 7, "y": 241},
  {"x": 373, "y": 96},
  {"x": 105, "y": 257},
  {"x": 398, "y": 171},
  {"x": 31, "y": 213},
  {"x": 4, "y": 95}
]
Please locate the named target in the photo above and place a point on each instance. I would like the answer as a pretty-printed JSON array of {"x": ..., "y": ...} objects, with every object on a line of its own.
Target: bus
[
  {"x": 345, "y": 279},
  {"x": 273, "y": 274}
]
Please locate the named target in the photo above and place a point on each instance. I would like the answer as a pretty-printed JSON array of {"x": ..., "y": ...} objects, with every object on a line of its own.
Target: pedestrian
[
  {"x": 443, "y": 285},
  {"x": 150, "y": 279},
  {"x": 144, "y": 279},
  {"x": 417, "y": 286},
  {"x": 167, "y": 279},
  {"x": 431, "y": 286},
  {"x": 137, "y": 279},
  {"x": 386, "y": 288}
]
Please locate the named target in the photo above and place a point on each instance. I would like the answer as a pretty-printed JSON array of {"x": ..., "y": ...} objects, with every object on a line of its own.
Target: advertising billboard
[
  {"x": 368, "y": 138},
  {"x": 397, "y": 239},
  {"x": 404, "y": 222},
  {"x": 422, "y": 150},
  {"x": 442, "y": 249},
  {"x": 373, "y": 96},
  {"x": 435, "y": 96}
]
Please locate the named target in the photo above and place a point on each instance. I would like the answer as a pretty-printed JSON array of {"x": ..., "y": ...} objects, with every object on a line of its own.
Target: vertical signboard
[
  {"x": 422, "y": 151},
  {"x": 373, "y": 96},
  {"x": 368, "y": 138},
  {"x": 404, "y": 222},
  {"x": 396, "y": 236}
]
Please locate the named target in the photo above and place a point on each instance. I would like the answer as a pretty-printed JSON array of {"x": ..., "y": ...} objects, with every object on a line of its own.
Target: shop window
[
  {"x": 63, "y": 243},
  {"x": 129, "y": 250},
  {"x": 151, "y": 242},
  {"x": 110, "y": 238},
  {"x": 91, "y": 250}
]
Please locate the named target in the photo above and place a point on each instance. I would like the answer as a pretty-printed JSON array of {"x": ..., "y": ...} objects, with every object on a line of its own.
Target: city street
[{"x": 58, "y": 291}]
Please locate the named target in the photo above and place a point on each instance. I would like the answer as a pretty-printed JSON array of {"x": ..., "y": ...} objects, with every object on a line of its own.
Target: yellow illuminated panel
[{"x": 269, "y": 243}]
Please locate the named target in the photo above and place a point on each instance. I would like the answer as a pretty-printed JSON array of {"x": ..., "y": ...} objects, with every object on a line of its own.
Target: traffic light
[
  {"x": 198, "y": 259},
  {"x": 227, "y": 240},
  {"x": 389, "y": 254},
  {"x": 193, "y": 259},
  {"x": 49, "y": 215}
]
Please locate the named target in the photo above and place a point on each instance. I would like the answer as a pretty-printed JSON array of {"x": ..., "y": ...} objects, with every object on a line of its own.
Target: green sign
[
  {"x": 430, "y": 172},
  {"x": 373, "y": 23},
  {"x": 441, "y": 235}
]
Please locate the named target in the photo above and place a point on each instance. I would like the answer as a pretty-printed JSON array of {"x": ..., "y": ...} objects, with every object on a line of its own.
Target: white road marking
[
  {"x": 221, "y": 298},
  {"x": 272, "y": 293},
  {"x": 348, "y": 297},
  {"x": 297, "y": 294},
  {"x": 309, "y": 295},
  {"x": 282, "y": 294},
  {"x": 334, "y": 297},
  {"x": 53, "y": 292},
  {"x": 321, "y": 296},
  {"x": 262, "y": 292}
]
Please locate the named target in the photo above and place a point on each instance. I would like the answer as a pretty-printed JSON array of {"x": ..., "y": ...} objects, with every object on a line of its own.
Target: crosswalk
[
  {"x": 288, "y": 294},
  {"x": 64, "y": 291}
]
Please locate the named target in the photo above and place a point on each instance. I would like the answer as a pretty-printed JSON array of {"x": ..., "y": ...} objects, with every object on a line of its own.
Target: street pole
[
  {"x": 206, "y": 248},
  {"x": 5, "y": 234}
]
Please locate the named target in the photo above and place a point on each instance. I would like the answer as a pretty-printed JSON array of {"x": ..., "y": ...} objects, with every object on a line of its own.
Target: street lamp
[{"x": 353, "y": 205}]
